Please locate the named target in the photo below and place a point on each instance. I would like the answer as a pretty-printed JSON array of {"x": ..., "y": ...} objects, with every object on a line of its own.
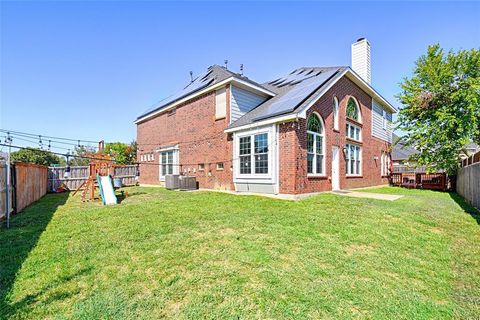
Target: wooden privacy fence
[
  {"x": 433, "y": 181},
  {"x": 79, "y": 174},
  {"x": 468, "y": 180},
  {"x": 29, "y": 183}
]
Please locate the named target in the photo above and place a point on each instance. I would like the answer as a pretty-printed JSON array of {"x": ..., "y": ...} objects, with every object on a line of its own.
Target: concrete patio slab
[{"x": 369, "y": 195}]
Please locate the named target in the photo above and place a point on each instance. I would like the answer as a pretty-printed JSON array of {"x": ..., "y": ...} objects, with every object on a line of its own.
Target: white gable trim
[
  {"x": 243, "y": 83},
  {"x": 352, "y": 75}
]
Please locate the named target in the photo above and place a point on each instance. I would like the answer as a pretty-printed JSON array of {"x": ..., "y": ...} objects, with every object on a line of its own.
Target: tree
[
  {"x": 37, "y": 156},
  {"x": 80, "y": 151},
  {"x": 122, "y": 152},
  {"x": 441, "y": 106}
]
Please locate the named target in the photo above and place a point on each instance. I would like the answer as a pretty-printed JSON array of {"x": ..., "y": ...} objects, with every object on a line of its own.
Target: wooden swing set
[{"x": 100, "y": 164}]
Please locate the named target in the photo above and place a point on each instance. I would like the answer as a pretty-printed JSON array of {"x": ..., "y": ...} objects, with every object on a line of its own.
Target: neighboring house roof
[
  {"x": 400, "y": 150},
  {"x": 214, "y": 75},
  {"x": 473, "y": 147}
]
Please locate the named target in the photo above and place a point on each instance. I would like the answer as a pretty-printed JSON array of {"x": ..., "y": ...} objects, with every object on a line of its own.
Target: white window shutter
[{"x": 220, "y": 103}]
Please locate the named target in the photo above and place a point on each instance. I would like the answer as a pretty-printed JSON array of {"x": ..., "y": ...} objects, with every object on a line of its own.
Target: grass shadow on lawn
[
  {"x": 18, "y": 241},
  {"x": 125, "y": 193},
  {"x": 465, "y": 206}
]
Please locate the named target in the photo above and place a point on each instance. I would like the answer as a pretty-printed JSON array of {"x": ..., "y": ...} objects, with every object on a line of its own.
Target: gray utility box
[
  {"x": 188, "y": 183},
  {"x": 172, "y": 181}
]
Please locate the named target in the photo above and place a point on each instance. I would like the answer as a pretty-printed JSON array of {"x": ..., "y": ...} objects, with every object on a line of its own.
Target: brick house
[{"x": 315, "y": 129}]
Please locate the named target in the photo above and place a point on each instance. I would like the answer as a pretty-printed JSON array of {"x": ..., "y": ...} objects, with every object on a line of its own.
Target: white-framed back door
[{"x": 335, "y": 168}]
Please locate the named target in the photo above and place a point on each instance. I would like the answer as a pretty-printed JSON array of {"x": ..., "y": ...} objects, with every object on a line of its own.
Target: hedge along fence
[
  {"x": 30, "y": 183},
  {"x": 80, "y": 174}
]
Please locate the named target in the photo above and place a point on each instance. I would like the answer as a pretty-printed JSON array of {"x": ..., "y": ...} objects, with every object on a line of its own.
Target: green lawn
[{"x": 211, "y": 255}]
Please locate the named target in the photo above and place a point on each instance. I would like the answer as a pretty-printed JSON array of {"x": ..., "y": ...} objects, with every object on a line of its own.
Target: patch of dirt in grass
[
  {"x": 226, "y": 231},
  {"x": 359, "y": 249},
  {"x": 173, "y": 308},
  {"x": 436, "y": 230}
]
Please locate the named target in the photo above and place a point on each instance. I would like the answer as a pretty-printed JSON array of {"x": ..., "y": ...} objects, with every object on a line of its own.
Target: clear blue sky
[{"x": 88, "y": 69}]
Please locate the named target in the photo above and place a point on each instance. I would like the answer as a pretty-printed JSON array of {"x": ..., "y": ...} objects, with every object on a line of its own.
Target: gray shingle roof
[
  {"x": 212, "y": 76},
  {"x": 294, "y": 91},
  {"x": 400, "y": 150}
]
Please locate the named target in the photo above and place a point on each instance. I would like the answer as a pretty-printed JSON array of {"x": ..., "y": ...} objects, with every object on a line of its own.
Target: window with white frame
[
  {"x": 385, "y": 163},
  {"x": 245, "y": 148},
  {"x": 353, "y": 132},
  {"x": 384, "y": 119},
  {"x": 253, "y": 154},
  {"x": 167, "y": 163},
  {"x": 382, "y": 164},
  {"x": 353, "y": 155},
  {"x": 335, "y": 113},
  {"x": 261, "y": 153},
  {"x": 315, "y": 146}
]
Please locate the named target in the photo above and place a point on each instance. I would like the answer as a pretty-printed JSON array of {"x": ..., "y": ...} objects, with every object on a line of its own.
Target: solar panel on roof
[
  {"x": 199, "y": 83},
  {"x": 290, "y": 100}
]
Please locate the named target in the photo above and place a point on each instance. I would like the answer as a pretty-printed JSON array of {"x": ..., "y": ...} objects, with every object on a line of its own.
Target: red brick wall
[
  {"x": 200, "y": 138},
  {"x": 293, "y": 139}
]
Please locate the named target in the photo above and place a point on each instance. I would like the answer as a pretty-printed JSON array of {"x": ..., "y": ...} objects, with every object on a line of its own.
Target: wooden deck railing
[{"x": 433, "y": 181}]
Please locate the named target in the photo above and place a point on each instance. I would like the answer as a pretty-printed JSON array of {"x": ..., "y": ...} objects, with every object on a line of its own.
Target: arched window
[
  {"x": 315, "y": 145},
  {"x": 353, "y": 132},
  {"x": 353, "y": 111},
  {"x": 335, "y": 113}
]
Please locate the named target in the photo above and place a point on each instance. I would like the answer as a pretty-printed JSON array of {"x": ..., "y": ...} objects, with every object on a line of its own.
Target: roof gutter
[{"x": 285, "y": 118}]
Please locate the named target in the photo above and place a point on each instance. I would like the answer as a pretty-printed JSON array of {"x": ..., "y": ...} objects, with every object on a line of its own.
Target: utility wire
[
  {"x": 44, "y": 136},
  {"x": 48, "y": 146},
  {"x": 44, "y": 139},
  {"x": 57, "y": 153}
]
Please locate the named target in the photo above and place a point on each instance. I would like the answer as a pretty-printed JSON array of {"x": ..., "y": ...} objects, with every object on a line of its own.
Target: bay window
[
  {"x": 315, "y": 146},
  {"x": 253, "y": 154},
  {"x": 245, "y": 155},
  {"x": 261, "y": 153}
]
